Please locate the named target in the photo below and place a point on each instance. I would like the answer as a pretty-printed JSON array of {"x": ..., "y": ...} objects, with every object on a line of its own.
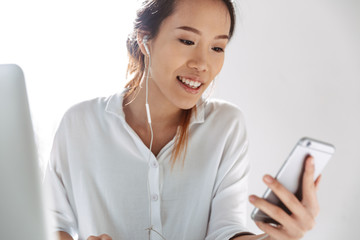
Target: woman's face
[{"x": 188, "y": 51}]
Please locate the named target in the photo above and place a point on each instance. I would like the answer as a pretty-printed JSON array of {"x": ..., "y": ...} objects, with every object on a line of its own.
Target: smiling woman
[
  {"x": 114, "y": 169},
  {"x": 173, "y": 56}
]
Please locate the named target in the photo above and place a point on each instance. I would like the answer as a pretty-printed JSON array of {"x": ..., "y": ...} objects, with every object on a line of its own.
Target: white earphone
[{"x": 145, "y": 39}]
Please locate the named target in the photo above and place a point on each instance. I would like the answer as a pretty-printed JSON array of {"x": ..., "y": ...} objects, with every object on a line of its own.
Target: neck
[{"x": 163, "y": 113}]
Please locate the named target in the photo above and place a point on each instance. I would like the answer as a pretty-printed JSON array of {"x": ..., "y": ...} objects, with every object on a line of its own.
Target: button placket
[
  {"x": 155, "y": 195},
  {"x": 154, "y": 164}
]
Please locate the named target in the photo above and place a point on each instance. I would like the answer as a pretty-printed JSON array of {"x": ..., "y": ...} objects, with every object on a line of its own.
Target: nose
[{"x": 199, "y": 60}]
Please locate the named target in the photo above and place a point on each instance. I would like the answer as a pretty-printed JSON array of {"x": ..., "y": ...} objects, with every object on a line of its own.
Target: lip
[
  {"x": 189, "y": 89},
  {"x": 192, "y": 78}
]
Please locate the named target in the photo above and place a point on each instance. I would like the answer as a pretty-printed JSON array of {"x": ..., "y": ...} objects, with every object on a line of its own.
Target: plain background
[
  {"x": 293, "y": 67},
  {"x": 294, "y": 70}
]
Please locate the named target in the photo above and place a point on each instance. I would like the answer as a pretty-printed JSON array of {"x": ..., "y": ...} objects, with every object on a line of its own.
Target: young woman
[{"x": 159, "y": 161}]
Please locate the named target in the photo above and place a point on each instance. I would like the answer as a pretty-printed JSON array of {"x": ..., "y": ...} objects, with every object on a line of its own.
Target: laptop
[{"x": 22, "y": 211}]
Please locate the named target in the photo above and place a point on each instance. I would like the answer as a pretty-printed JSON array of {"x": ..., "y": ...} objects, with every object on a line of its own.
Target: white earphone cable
[{"x": 151, "y": 140}]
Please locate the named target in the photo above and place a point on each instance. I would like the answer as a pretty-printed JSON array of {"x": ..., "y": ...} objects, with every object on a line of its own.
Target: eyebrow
[{"x": 194, "y": 30}]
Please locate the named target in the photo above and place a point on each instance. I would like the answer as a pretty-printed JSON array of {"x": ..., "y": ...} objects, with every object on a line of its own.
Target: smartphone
[{"x": 291, "y": 173}]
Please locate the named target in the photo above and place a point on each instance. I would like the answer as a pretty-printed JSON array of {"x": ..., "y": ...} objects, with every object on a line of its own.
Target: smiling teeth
[{"x": 190, "y": 83}]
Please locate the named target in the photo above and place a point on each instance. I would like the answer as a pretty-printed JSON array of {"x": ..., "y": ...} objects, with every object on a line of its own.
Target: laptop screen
[{"x": 21, "y": 203}]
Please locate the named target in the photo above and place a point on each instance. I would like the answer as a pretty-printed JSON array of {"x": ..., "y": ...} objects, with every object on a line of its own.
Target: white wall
[
  {"x": 70, "y": 51},
  {"x": 294, "y": 69}
]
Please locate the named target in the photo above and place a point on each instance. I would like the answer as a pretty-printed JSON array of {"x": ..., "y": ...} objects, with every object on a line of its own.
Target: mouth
[{"x": 189, "y": 83}]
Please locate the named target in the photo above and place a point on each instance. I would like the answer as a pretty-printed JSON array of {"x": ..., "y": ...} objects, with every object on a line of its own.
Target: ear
[{"x": 139, "y": 38}]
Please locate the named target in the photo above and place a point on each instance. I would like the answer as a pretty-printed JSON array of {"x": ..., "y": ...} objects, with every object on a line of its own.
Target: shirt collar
[{"x": 115, "y": 106}]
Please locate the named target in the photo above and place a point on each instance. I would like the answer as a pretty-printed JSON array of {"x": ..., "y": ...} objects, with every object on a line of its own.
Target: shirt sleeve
[
  {"x": 58, "y": 186},
  {"x": 228, "y": 208}
]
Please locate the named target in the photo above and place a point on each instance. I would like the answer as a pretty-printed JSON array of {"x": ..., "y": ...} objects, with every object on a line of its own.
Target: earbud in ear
[{"x": 145, "y": 39}]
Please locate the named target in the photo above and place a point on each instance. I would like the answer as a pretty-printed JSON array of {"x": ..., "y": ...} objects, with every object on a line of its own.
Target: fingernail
[
  {"x": 268, "y": 179},
  {"x": 310, "y": 162},
  {"x": 252, "y": 198}
]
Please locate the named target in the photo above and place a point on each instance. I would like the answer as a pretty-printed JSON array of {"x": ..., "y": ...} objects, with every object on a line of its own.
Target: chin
[{"x": 187, "y": 105}]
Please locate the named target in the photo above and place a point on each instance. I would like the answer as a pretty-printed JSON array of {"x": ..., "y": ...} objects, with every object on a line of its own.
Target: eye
[
  {"x": 218, "y": 49},
  {"x": 186, "y": 42}
]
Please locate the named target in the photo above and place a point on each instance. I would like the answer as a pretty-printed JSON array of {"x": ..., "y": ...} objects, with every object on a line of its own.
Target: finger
[
  {"x": 308, "y": 177},
  {"x": 279, "y": 232},
  {"x": 309, "y": 191},
  {"x": 301, "y": 218},
  {"x": 105, "y": 237},
  {"x": 286, "y": 197},
  {"x": 93, "y": 238},
  {"x": 271, "y": 210},
  {"x": 273, "y": 232},
  {"x": 101, "y": 237},
  {"x": 317, "y": 182}
]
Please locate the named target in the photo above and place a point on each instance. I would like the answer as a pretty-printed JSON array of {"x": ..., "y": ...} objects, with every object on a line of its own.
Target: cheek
[
  {"x": 217, "y": 65},
  {"x": 169, "y": 59}
]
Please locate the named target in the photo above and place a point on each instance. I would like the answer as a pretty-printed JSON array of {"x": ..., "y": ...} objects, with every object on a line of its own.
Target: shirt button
[
  {"x": 154, "y": 164},
  {"x": 154, "y": 197}
]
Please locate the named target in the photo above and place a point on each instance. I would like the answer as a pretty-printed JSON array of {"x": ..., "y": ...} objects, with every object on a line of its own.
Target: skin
[
  {"x": 66, "y": 236},
  {"x": 304, "y": 212},
  {"x": 191, "y": 43}
]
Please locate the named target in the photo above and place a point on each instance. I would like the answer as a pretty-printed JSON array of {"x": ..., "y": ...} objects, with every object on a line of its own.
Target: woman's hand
[
  {"x": 101, "y": 237},
  {"x": 303, "y": 215}
]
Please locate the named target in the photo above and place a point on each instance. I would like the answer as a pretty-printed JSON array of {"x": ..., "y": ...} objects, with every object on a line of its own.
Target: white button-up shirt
[{"x": 102, "y": 181}]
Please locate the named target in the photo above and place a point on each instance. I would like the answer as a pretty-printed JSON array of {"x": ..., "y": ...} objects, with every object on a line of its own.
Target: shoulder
[
  {"x": 95, "y": 106},
  {"x": 222, "y": 119},
  {"x": 216, "y": 109},
  {"x": 84, "y": 112}
]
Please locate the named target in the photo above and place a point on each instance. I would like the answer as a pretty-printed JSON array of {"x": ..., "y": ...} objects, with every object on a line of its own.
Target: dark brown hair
[{"x": 148, "y": 19}]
